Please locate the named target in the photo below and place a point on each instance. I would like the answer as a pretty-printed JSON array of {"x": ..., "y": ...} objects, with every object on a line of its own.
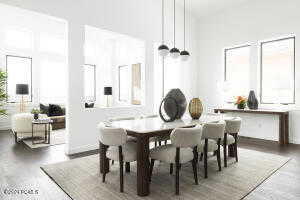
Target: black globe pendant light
[
  {"x": 174, "y": 52},
  {"x": 184, "y": 54},
  {"x": 163, "y": 49}
]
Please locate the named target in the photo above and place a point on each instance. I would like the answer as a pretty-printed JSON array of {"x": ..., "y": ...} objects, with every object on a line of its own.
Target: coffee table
[{"x": 40, "y": 122}]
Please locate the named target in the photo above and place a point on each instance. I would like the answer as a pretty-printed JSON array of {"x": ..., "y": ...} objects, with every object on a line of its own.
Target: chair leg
[
  {"x": 171, "y": 168},
  {"x": 121, "y": 169},
  {"x": 166, "y": 142},
  {"x": 127, "y": 167},
  {"x": 205, "y": 158},
  {"x": 151, "y": 169},
  {"x": 225, "y": 149},
  {"x": 16, "y": 137},
  {"x": 195, "y": 163},
  {"x": 112, "y": 162},
  {"x": 201, "y": 157},
  {"x": 177, "y": 171},
  {"x": 103, "y": 177},
  {"x": 235, "y": 147},
  {"x": 159, "y": 143},
  {"x": 218, "y": 152},
  {"x": 155, "y": 143}
]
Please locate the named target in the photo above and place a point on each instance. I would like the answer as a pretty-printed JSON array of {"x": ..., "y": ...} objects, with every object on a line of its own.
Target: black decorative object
[
  {"x": 36, "y": 116},
  {"x": 180, "y": 100},
  {"x": 89, "y": 105},
  {"x": 171, "y": 104},
  {"x": 252, "y": 102},
  {"x": 22, "y": 89}
]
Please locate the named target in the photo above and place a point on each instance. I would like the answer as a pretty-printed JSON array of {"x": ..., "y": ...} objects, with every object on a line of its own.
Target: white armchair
[{"x": 22, "y": 126}]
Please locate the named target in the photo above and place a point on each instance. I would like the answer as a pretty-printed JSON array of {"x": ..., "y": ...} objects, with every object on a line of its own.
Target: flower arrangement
[
  {"x": 35, "y": 113},
  {"x": 241, "y": 102}
]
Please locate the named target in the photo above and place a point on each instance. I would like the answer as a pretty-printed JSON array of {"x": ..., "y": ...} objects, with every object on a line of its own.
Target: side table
[{"x": 40, "y": 122}]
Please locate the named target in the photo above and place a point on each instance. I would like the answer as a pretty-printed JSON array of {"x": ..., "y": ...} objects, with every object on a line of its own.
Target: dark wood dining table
[{"x": 143, "y": 129}]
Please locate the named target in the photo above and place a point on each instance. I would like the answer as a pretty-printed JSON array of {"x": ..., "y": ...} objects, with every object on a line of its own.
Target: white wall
[
  {"x": 250, "y": 23},
  {"x": 137, "y": 18}
]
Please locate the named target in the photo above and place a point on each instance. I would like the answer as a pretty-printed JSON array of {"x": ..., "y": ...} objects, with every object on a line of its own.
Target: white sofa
[{"x": 22, "y": 126}]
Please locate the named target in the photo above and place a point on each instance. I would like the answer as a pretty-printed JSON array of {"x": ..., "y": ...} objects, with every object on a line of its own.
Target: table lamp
[
  {"x": 107, "y": 93},
  {"x": 22, "y": 89}
]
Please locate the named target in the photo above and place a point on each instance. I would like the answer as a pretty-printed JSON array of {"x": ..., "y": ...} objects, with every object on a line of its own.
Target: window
[
  {"x": 53, "y": 83},
  {"x": 124, "y": 83},
  {"x": 19, "y": 71},
  {"x": 278, "y": 71},
  {"x": 237, "y": 72},
  {"x": 90, "y": 82}
]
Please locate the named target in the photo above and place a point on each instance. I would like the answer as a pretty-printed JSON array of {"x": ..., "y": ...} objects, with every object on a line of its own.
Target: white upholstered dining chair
[
  {"x": 233, "y": 126},
  {"x": 212, "y": 134},
  {"x": 183, "y": 149},
  {"x": 119, "y": 148}
]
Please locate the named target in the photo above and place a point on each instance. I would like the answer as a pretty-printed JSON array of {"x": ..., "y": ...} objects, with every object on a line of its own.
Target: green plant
[
  {"x": 35, "y": 111},
  {"x": 3, "y": 95}
]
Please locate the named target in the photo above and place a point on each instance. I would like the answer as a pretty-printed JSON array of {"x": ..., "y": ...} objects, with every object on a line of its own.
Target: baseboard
[{"x": 82, "y": 149}]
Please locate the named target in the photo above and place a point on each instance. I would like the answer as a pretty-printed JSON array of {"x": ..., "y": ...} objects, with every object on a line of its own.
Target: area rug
[
  {"x": 56, "y": 137},
  {"x": 81, "y": 180}
]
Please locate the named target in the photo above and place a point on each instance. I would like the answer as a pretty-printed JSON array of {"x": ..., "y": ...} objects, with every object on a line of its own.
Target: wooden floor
[{"x": 20, "y": 170}]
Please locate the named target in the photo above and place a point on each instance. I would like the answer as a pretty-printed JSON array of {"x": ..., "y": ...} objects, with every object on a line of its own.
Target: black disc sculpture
[{"x": 174, "y": 105}]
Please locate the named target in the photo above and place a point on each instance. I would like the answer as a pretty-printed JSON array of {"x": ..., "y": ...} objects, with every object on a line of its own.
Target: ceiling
[{"x": 201, "y": 8}]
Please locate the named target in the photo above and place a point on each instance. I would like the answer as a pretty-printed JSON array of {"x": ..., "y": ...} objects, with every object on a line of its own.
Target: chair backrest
[
  {"x": 121, "y": 119},
  {"x": 186, "y": 137},
  {"x": 233, "y": 125},
  {"x": 213, "y": 130},
  {"x": 111, "y": 136}
]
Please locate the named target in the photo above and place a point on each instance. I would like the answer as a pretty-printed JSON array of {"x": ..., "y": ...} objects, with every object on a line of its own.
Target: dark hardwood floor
[{"x": 20, "y": 170}]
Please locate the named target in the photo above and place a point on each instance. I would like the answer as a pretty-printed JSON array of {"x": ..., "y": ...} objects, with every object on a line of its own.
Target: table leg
[
  {"x": 286, "y": 129},
  {"x": 143, "y": 166},
  {"x": 32, "y": 134},
  {"x": 281, "y": 129},
  {"x": 49, "y": 136},
  {"x": 104, "y": 161}
]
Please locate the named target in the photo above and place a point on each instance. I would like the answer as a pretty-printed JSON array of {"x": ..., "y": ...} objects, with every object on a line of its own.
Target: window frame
[
  {"x": 6, "y": 70},
  {"x": 95, "y": 89},
  {"x": 225, "y": 60},
  {"x": 261, "y": 69}
]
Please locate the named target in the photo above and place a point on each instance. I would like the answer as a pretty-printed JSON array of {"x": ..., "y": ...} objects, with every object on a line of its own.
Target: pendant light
[
  {"x": 163, "y": 49},
  {"x": 184, "y": 54},
  {"x": 174, "y": 52}
]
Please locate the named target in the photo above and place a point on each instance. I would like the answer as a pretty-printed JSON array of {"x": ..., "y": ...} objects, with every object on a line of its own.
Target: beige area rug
[
  {"x": 80, "y": 179},
  {"x": 57, "y": 137}
]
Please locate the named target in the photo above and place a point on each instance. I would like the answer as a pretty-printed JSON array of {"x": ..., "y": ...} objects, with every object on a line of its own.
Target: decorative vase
[
  {"x": 241, "y": 106},
  {"x": 35, "y": 116},
  {"x": 252, "y": 102},
  {"x": 177, "y": 109},
  {"x": 195, "y": 108}
]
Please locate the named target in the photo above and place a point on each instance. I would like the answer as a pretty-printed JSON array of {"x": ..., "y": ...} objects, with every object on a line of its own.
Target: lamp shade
[
  {"x": 107, "y": 90},
  {"x": 22, "y": 89}
]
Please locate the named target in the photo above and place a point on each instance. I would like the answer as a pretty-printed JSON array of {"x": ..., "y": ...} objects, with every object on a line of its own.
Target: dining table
[{"x": 142, "y": 129}]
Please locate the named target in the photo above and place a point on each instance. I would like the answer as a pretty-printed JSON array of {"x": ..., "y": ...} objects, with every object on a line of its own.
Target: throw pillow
[
  {"x": 55, "y": 110},
  {"x": 44, "y": 109}
]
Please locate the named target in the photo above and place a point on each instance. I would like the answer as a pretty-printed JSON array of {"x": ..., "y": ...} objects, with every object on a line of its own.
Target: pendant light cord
[
  {"x": 174, "y": 24},
  {"x": 163, "y": 21},
  {"x": 184, "y": 24}
]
